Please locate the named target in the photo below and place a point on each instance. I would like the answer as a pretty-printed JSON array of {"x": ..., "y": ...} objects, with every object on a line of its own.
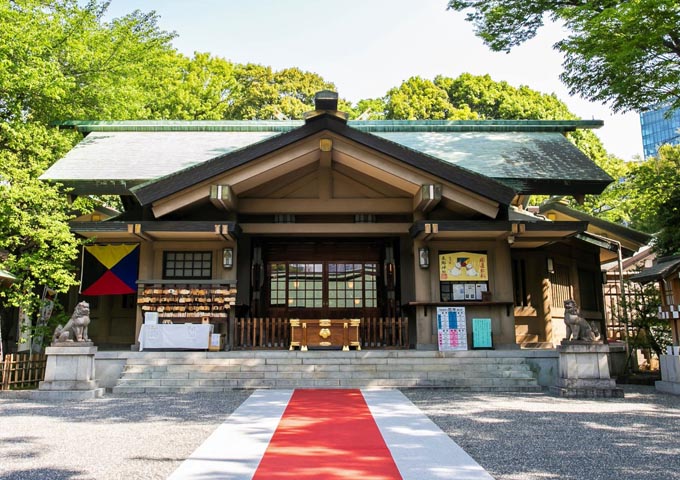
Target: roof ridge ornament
[{"x": 325, "y": 102}]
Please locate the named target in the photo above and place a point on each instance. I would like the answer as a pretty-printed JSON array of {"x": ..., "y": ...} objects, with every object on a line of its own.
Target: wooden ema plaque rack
[
  {"x": 305, "y": 334},
  {"x": 189, "y": 302}
]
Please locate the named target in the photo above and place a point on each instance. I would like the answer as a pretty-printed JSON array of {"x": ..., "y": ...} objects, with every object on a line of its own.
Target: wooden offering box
[{"x": 305, "y": 334}]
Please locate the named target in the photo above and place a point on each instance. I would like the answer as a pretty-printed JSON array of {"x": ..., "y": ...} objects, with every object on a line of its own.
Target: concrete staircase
[{"x": 188, "y": 372}]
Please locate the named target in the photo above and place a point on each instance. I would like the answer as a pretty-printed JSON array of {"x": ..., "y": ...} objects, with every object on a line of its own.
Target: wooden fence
[
  {"x": 384, "y": 332},
  {"x": 22, "y": 371},
  {"x": 274, "y": 333},
  {"x": 252, "y": 333}
]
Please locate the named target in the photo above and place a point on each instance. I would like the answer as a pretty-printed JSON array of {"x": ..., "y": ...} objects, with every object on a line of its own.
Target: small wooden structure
[
  {"x": 22, "y": 371},
  {"x": 325, "y": 333},
  {"x": 666, "y": 272}
]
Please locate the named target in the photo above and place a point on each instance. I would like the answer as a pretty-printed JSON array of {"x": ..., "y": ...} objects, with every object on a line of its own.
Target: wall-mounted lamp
[
  {"x": 424, "y": 257},
  {"x": 228, "y": 257},
  {"x": 550, "y": 265},
  {"x": 511, "y": 239}
]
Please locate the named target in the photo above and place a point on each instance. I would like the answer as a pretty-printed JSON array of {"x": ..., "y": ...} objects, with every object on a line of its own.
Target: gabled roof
[
  {"x": 664, "y": 267},
  {"x": 631, "y": 239},
  {"x": 475, "y": 182},
  {"x": 529, "y": 156}
]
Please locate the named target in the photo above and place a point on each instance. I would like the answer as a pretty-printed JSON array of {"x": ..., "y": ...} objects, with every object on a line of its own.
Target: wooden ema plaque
[{"x": 306, "y": 334}]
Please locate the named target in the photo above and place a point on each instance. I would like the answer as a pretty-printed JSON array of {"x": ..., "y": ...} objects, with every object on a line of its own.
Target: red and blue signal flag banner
[{"x": 109, "y": 269}]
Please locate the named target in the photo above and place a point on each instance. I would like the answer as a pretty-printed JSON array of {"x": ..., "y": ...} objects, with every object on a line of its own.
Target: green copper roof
[
  {"x": 530, "y": 156},
  {"x": 370, "y": 126}
]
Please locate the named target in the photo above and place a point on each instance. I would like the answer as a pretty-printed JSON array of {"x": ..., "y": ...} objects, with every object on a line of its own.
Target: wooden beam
[
  {"x": 343, "y": 205},
  {"x": 223, "y": 231},
  {"x": 285, "y": 190},
  {"x": 382, "y": 173},
  {"x": 244, "y": 177},
  {"x": 273, "y": 187},
  {"x": 360, "y": 189},
  {"x": 427, "y": 197},
  {"x": 264, "y": 172},
  {"x": 136, "y": 230},
  {"x": 222, "y": 196},
  {"x": 334, "y": 229},
  {"x": 406, "y": 177},
  {"x": 325, "y": 177},
  {"x": 368, "y": 183},
  {"x": 471, "y": 200}
]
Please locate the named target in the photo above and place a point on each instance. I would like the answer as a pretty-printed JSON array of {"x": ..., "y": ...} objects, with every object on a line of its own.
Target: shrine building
[{"x": 329, "y": 233}]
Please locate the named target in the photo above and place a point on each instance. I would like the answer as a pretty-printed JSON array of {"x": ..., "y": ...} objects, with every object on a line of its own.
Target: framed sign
[
  {"x": 451, "y": 328},
  {"x": 481, "y": 333},
  {"x": 463, "y": 267}
]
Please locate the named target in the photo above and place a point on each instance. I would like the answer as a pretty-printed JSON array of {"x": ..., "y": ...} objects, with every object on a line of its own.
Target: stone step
[
  {"x": 128, "y": 390},
  {"x": 524, "y": 372},
  {"x": 185, "y": 372},
  {"x": 230, "y": 369}
]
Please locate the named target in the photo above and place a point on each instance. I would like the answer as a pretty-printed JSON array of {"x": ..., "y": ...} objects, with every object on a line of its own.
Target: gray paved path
[
  {"x": 419, "y": 448},
  {"x": 527, "y": 436}
]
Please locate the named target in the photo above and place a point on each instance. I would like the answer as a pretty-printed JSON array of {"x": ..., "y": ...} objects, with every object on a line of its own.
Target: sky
[{"x": 366, "y": 47}]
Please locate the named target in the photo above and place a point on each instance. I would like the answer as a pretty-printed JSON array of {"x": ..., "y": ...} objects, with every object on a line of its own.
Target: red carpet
[{"x": 327, "y": 434}]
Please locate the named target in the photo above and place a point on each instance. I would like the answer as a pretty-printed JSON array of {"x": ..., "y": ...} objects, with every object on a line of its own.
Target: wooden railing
[
  {"x": 252, "y": 333},
  {"x": 22, "y": 371},
  {"x": 384, "y": 333},
  {"x": 274, "y": 333}
]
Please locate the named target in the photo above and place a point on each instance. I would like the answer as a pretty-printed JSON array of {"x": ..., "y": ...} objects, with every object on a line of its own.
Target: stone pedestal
[
  {"x": 584, "y": 371},
  {"x": 69, "y": 374},
  {"x": 670, "y": 374}
]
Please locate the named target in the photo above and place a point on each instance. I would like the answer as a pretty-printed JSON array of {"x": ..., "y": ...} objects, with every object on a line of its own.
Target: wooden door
[{"x": 323, "y": 280}]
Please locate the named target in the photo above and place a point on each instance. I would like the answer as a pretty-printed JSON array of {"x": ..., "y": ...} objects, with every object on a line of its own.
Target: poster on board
[
  {"x": 463, "y": 267},
  {"x": 451, "y": 328}
]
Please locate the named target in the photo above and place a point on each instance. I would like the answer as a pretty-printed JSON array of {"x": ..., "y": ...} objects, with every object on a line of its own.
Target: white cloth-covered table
[{"x": 189, "y": 336}]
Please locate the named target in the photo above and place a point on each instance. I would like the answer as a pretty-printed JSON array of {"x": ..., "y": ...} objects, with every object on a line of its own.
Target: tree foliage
[
  {"x": 39, "y": 249},
  {"x": 645, "y": 329},
  {"x": 59, "y": 60},
  {"x": 421, "y": 99},
  {"x": 650, "y": 191},
  {"x": 264, "y": 94},
  {"x": 624, "y": 53},
  {"x": 197, "y": 88}
]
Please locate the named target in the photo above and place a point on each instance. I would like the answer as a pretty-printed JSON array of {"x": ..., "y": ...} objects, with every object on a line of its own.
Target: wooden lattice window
[
  {"x": 560, "y": 282},
  {"x": 187, "y": 265}
]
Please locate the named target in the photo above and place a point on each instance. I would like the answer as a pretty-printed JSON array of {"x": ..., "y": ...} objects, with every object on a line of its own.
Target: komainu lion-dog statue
[
  {"x": 76, "y": 328},
  {"x": 578, "y": 327}
]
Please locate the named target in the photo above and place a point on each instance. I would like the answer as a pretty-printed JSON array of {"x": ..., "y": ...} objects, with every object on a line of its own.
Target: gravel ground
[
  {"x": 523, "y": 436},
  {"x": 539, "y": 437},
  {"x": 114, "y": 437}
]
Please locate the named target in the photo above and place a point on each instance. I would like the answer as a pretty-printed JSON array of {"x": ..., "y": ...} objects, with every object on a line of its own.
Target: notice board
[
  {"x": 451, "y": 328},
  {"x": 481, "y": 333}
]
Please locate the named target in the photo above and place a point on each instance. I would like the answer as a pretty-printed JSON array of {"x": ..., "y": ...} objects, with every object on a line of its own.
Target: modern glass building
[{"x": 658, "y": 130}]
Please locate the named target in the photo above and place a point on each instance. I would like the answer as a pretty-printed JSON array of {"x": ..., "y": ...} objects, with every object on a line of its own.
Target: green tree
[
  {"x": 59, "y": 60},
  {"x": 650, "y": 191},
  {"x": 34, "y": 233},
  {"x": 370, "y": 109},
  {"x": 421, "y": 99},
  {"x": 645, "y": 330},
  {"x": 500, "y": 100},
  {"x": 197, "y": 88},
  {"x": 667, "y": 240},
  {"x": 264, "y": 94},
  {"x": 623, "y": 53}
]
